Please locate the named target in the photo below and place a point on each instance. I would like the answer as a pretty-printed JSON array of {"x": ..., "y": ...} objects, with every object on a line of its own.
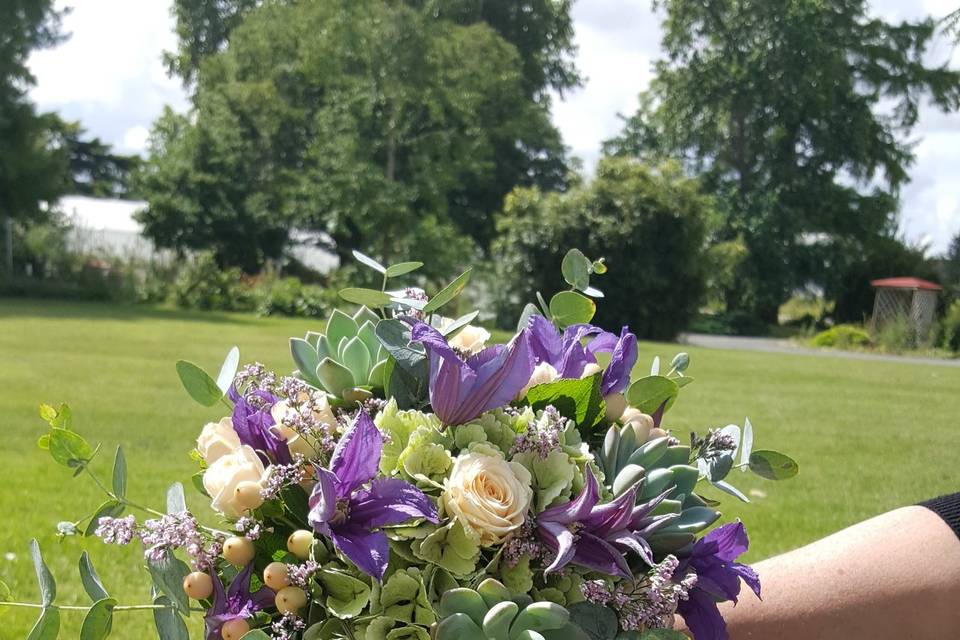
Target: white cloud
[{"x": 109, "y": 75}]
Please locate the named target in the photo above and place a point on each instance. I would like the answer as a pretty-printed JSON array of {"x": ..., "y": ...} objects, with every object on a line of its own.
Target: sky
[{"x": 109, "y": 75}]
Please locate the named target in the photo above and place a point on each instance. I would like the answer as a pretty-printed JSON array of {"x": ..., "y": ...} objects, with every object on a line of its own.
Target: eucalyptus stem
[{"x": 67, "y": 607}]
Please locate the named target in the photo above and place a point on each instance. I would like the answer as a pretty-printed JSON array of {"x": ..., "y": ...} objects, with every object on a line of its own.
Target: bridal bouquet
[{"x": 411, "y": 480}]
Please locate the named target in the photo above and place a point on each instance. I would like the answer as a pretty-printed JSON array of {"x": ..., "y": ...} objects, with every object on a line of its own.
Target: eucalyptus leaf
[
  {"x": 201, "y": 387},
  {"x": 68, "y": 448},
  {"x": 109, "y": 509},
  {"x": 168, "y": 574},
  {"x": 228, "y": 370},
  {"x": 593, "y": 292},
  {"x": 528, "y": 312},
  {"x": 255, "y": 634},
  {"x": 726, "y": 487},
  {"x": 773, "y": 465},
  {"x": 176, "y": 501},
  {"x": 373, "y": 298},
  {"x": 119, "y": 474},
  {"x": 448, "y": 293},
  {"x": 570, "y": 307},
  {"x": 99, "y": 620},
  {"x": 91, "y": 581},
  {"x": 48, "y": 586},
  {"x": 170, "y": 626},
  {"x": 746, "y": 447},
  {"x": 47, "y": 626},
  {"x": 451, "y": 329},
  {"x": 402, "y": 268},
  {"x": 576, "y": 269},
  {"x": 368, "y": 261},
  {"x": 680, "y": 362},
  {"x": 648, "y": 394}
]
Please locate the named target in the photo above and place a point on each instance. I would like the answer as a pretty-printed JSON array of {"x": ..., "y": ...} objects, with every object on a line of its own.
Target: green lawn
[{"x": 869, "y": 436}]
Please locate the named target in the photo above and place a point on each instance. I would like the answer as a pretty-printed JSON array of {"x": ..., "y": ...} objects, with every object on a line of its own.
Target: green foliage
[
  {"x": 489, "y": 613},
  {"x": 203, "y": 284},
  {"x": 949, "y": 328},
  {"x": 842, "y": 336},
  {"x": 649, "y": 223},
  {"x": 291, "y": 297},
  {"x": 798, "y": 119}
]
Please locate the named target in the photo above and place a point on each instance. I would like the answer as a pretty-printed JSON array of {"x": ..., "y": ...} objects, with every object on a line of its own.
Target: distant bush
[
  {"x": 290, "y": 297},
  {"x": 202, "y": 284},
  {"x": 650, "y": 223},
  {"x": 895, "y": 336},
  {"x": 842, "y": 336},
  {"x": 948, "y": 330}
]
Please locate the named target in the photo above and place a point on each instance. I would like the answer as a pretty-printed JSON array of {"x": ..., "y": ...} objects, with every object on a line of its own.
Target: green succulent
[
  {"x": 347, "y": 361},
  {"x": 658, "y": 466},
  {"x": 491, "y": 613}
]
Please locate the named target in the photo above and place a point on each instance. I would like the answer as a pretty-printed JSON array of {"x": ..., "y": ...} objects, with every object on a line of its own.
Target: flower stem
[{"x": 67, "y": 607}]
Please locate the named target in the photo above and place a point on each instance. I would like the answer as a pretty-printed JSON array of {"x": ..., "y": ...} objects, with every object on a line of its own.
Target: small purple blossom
[
  {"x": 300, "y": 574},
  {"x": 119, "y": 531},
  {"x": 235, "y": 602},
  {"x": 523, "y": 542},
  {"x": 349, "y": 513},
  {"x": 281, "y": 476},
  {"x": 249, "y": 528},
  {"x": 543, "y": 434},
  {"x": 252, "y": 421},
  {"x": 179, "y": 531},
  {"x": 287, "y": 626}
]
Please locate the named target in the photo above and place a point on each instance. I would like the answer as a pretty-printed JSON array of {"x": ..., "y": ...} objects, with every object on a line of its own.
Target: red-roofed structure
[{"x": 906, "y": 299}]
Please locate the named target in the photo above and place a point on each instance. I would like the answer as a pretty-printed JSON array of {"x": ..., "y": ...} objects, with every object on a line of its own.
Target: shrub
[
  {"x": 650, "y": 223},
  {"x": 842, "y": 336},
  {"x": 202, "y": 284},
  {"x": 948, "y": 330},
  {"x": 290, "y": 297}
]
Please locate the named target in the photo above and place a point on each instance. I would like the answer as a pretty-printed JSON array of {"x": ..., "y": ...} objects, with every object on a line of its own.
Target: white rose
[
  {"x": 542, "y": 373},
  {"x": 223, "y": 476},
  {"x": 615, "y": 404},
  {"x": 470, "y": 339},
  {"x": 488, "y": 495},
  {"x": 591, "y": 368},
  {"x": 217, "y": 440}
]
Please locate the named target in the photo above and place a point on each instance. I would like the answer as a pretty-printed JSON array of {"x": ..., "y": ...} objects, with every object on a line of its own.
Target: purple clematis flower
[
  {"x": 713, "y": 559},
  {"x": 594, "y": 535},
  {"x": 567, "y": 354},
  {"x": 235, "y": 602},
  {"x": 349, "y": 514},
  {"x": 254, "y": 424},
  {"x": 460, "y": 390}
]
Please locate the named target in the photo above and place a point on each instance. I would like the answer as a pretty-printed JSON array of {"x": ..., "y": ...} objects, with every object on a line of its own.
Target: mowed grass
[{"x": 869, "y": 436}]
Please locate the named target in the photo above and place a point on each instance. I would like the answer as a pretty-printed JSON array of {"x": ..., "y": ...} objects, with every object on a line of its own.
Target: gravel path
[{"x": 776, "y": 345}]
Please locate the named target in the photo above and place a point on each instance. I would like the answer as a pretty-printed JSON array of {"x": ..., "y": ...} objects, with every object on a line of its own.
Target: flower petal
[
  {"x": 634, "y": 543},
  {"x": 390, "y": 501},
  {"x": 369, "y": 550},
  {"x": 499, "y": 380},
  {"x": 578, "y": 508},
  {"x": 558, "y": 539},
  {"x": 702, "y": 616},
  {"x": 253, "y": 426},
  {"x": 323, "y": 498},
  {"x": 598, "y": 554},
  {"x": 356, "y": 458},
  {"x": 545, "y": 341},
  {"x": 731, "y": 541},
  {"x": 616, "y": 377}
]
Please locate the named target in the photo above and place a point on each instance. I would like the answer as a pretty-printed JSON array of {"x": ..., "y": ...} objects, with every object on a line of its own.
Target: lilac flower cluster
[
  {"x": 255, "y": 376},
  {"x": 283, "y": 475},
  {"x": 522, "y": 542},
  {"x": 300, "y": 574},
  {"x": 287, "y": 626},
  {"x": 647, "y": 604},
  {"x": 162, "y": 535},
  {"x": 543, "y": 434},
  {"x": 119, "y": 531},
  {"x": 307, "y": 405},
  {"x": 249, "y": 528},
  {"x": 414, "y": 293}
]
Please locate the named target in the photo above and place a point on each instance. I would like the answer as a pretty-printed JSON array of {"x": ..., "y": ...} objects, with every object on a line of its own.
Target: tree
[
  {"x": 94, "y": 170},
  {"x": 796, "y": 114},
  {"x": 31, "y": 167},
  {"x": 951, "y": 268},
  {"x": 650, "y": 224},
  {"x": 377, "y": 124}
]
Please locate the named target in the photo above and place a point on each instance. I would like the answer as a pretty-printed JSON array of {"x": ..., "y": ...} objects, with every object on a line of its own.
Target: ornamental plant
[{"x": 408, "y": 479}]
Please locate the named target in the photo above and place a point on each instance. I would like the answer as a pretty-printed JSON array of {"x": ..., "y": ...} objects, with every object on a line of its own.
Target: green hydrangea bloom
[
  {"x": 519, "y": 577},
  {"x": 466, "y": 434},
  {"x": 431, "y": 460},
  {"x": 399, "y": 426},
  {"x": 404, "y": 597},
  {"x": 552, "y": 476},
  {"x": 500, "y": 427}
]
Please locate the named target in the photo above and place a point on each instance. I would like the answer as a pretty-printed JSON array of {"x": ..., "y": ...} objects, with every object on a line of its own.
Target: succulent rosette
[{"x": 414, "y": 477}]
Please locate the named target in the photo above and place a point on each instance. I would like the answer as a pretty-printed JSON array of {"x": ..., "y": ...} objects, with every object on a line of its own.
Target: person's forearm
[{"x": 893, "y": 576}]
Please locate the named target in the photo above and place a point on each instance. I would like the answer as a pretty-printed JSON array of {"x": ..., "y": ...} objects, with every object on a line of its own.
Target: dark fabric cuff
[{"x": 948, "y": 508}]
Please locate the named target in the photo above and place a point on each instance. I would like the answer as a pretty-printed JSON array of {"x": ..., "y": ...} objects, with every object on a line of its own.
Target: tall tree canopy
[
  {"x": 383, "y": 125},
  {"x": 796, "y": 112}
]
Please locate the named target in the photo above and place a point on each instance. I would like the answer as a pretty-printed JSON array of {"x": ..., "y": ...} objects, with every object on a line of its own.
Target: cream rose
[
  {"x": 222, "y": 477},
  {"x": 489, "y": 495},
  {"x": 470, "y": 339},
  {"x": 542, "y": 373},
  {"x": 217, "y": 440}
]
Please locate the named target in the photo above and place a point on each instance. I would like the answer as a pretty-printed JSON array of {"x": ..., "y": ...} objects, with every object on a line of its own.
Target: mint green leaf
[
  {"x": 201, "y": 387},
  {"x": 335, "y": 377},
  {"x": 746, "y": 446},
  {"x": 570, "y": 307},
  {"x": 402, "y": 268},
  {"x": 228, "y": 370},
  {"x": 48, "y": 586},
  {"x": 68, "y": 448},
  {"x": 119, "y": 474},
  {"x": 356, "y": 357},
  {"x": 448, "y": 293},
  {"x": 176, "y": 501},
  {"x": 90, "y": 579},
  {"x": 552, "y": 476},
  {"x": 450, "y": 548},
  {"x": 404, "y": 598},
  {"x": 773, "y": 465},
  {"x": 168, "y": 574},
  {"x": 451, "y": 329},
  {"x": 367, "y": 297},
  {"x": 47, "y": 626},
  {"x": 647, "y": 394},
  {"x": 576, "y": 269},
  {"x": 99, "y": 620},
  {"x": 170, "y": 626}
]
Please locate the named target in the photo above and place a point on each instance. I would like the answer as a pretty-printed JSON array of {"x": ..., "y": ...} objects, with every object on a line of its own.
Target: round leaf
[
  {"x": 402, "y": 268},
  {"x": 366, "y": 297},
  {"x": 198, "y": 383},
  {"x": 576, "y": 269},
  {"x": 99, "y": 620},
  {"x": 570, "y": 307},
  {"x": 648, "y": 394},
  {"x": 773, "y": 465},
  {"x": 448, "y": 293}
]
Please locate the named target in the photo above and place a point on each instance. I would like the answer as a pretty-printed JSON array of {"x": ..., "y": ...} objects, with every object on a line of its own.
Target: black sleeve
[{"x": 948, "y": 508}]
